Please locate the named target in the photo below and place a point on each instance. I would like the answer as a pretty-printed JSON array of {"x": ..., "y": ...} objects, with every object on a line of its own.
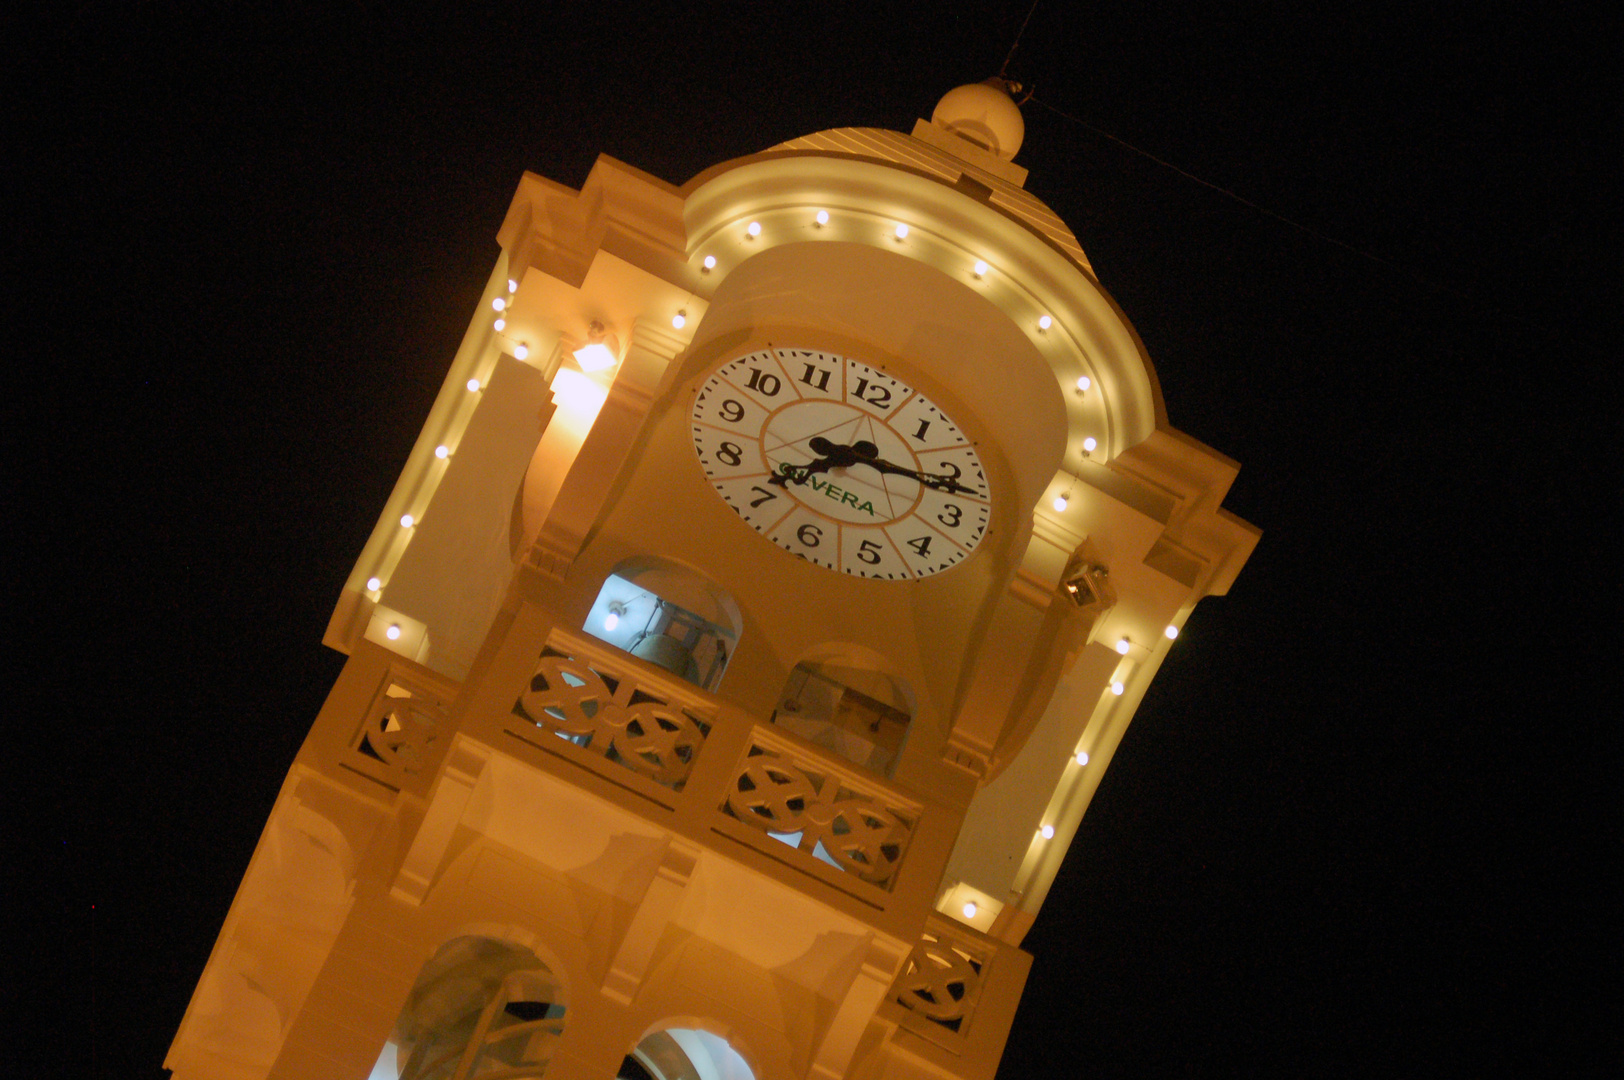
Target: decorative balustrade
[
  {"x": 403, "y": 726},
  {"x": 941, "y": 980},
  {"x": 826, "y": 811},
  {"x": 612, "y": 710}
]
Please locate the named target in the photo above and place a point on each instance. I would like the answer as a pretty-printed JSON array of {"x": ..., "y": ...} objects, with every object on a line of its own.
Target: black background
[{"x": 1363, "y": 822}]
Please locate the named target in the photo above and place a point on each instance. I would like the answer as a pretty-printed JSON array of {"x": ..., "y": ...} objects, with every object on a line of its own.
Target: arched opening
[
  {"x": 684, "y": 1054},
  {"x": 668, "y": 615},
  {"x": 848, "y": 706},
  {"x": 480, "y": 1007}
]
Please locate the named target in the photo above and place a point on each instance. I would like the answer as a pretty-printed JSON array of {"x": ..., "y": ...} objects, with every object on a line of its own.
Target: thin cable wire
[
  {"x": 1018, "y": 35},
  {"x": 1227, "y": 193}
]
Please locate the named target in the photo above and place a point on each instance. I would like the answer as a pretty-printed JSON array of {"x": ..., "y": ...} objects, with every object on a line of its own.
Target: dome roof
[{"x": 984, "y": 114}]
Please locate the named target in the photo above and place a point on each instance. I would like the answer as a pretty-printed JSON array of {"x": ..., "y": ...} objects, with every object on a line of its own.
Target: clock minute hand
[{"x": 936, "y": 481}]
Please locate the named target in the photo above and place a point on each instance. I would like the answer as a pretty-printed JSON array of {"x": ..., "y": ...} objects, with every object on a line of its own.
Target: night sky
[{"x": 1362, "y": 823}]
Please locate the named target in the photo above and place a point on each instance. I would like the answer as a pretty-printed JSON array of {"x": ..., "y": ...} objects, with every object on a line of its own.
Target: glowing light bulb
[
  {"x": 521, "y": 351},
  {"x": 610, "y": 621},
  {"x": 902, "y": 232},
  {"x": 407, "y": 521},
  {"x": 710, "y": 262},
  {"x": 442, "y": 452},
  {"x": 1117, "y": 688},
  {"x": 393, "y": 633},
  {"x": 1089, "y": 444},
  {"x": 1122, "y": 646},
  {"x": 1172, "y": 633},
  {"x": 753, "y": 229},
  {"x": 1082, "y": 757},
  {"x": 1060, "y": 503},
  {"x": 500, "y": 325},
  {"x": 1083, "y": 383},
  {"x": 980, "y": 268},
  {"x": 513, "y": 286},
  {"x": 473, "y": 386},
  {"x": 970, "y": 910},
  {"x": 823, "y": 217},
  {"x": 374, "y": 584},
  {"x": 500, "y": 304},
  {"x": 1047, "y": 832},
  {"x": 1045, "y": 322},
  {"x": 679, "y": 320}
]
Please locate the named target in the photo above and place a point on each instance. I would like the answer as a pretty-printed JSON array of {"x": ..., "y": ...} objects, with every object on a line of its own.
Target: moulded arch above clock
[{"x": 888, "y": 305}]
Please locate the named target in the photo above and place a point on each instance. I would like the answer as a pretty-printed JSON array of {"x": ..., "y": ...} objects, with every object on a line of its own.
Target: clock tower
[{"x": 776, "y": 572}]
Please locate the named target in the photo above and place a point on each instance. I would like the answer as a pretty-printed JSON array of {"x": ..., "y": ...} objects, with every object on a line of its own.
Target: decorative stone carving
[
  {"x": 941, "y": 980},
  {"x": 605, "y": 709},
  {"x": 404, "y": 724},
  {"x": 823, "y": 811}
]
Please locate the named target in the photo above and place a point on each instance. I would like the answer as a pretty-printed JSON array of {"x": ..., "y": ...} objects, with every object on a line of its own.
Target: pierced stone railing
[
  {"x": 402, "y": 728},
  {"x": 941, "y": 980},
  {"x": 611, "y": 710},
  {"x": 827, "y": 812}
]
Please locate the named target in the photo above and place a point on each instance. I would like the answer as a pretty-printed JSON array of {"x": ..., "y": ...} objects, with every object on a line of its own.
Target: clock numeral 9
[
  {"x": 868, "y": 551},
  {"x": 732, "y": 411},
  {"x": 729, "y": 453},
  {"x": 764, "y": 382},
  {"x": 809, "y": 535}
]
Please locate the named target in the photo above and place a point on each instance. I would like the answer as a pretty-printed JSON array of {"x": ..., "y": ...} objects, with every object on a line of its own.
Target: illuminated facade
[{"x": 777, "y": 571}]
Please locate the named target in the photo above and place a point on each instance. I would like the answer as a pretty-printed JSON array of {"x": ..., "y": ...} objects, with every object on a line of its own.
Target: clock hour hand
[
  {"x": 867, "y": 455},
  {"x": 830, "y": 456}
]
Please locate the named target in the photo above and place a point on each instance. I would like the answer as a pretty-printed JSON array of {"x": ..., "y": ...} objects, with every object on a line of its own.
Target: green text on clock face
[{"x": 829, "y": 490}]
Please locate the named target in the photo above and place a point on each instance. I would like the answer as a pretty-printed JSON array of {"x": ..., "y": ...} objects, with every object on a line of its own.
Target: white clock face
[{"x": 841, "y": 463}]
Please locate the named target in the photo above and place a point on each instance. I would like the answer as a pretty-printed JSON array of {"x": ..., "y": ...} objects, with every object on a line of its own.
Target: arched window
[
  {"x": 684, "y": 1054},
  {"x": 669, "y": 616},
  {"x": 480, "y": 1007},
  {"x": 849, "y": 708}
]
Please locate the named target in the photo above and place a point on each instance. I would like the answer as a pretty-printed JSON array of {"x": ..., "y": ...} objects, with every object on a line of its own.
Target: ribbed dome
[{"x": 984, "y": 114}]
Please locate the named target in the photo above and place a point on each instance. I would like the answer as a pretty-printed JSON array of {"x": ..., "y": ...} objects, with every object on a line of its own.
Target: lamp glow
[
  {"x": 473, "y": 386},
  {"x": 1045, "y": 322},
  {"x": 1083, "y": 383},
  {"x": 374, "y": 584},
  {"x": 407, "y": 521},
  {"x": 902, "y": 232},
  {"x": 595, "y": 357},
  {"x": 1082, "y": 757},
  {"x": 1089, "y": 444},
  {"x": 1172, "y": 632},
  {"x": 1060, "y": 503},
  {"x": 1122, "y": 646},
  {"x": 679, "y": 320},
  {"x": 610, "y": 621},
  {"x": 513, "y": 286},
  {"x": 442, "y": 451},
  {"x": 393, "y": 633},
  {"x": 710, "y": 262},
  {"x": 578, "y": 393},
  {"x": 520, "y": 352},
  {"x": 500, "y": 304},
  {"x": 1047, "y": 832},
  {"x": 823, "y": 217},
  {"x": 499, "y": 325},
  {"x": 753, "y": 229},
  {"x": 980, "y": 268},
  {"x": 1117, "y": 688},
  {"x": 970, "y": 910}
]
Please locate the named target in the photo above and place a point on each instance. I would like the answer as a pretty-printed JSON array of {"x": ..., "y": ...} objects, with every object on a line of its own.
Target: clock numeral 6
[
  {"x": 868, "y": 551},
  {"x": 809, "y": 535},
  {"x": 730, "y": 453}
]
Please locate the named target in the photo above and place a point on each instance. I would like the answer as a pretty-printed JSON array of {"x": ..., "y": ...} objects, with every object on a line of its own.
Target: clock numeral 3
[{"x": 950, "y": 508}]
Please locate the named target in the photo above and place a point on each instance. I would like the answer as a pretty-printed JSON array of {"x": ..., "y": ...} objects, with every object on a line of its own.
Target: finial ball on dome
[{"x": 984, "y": 114}]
